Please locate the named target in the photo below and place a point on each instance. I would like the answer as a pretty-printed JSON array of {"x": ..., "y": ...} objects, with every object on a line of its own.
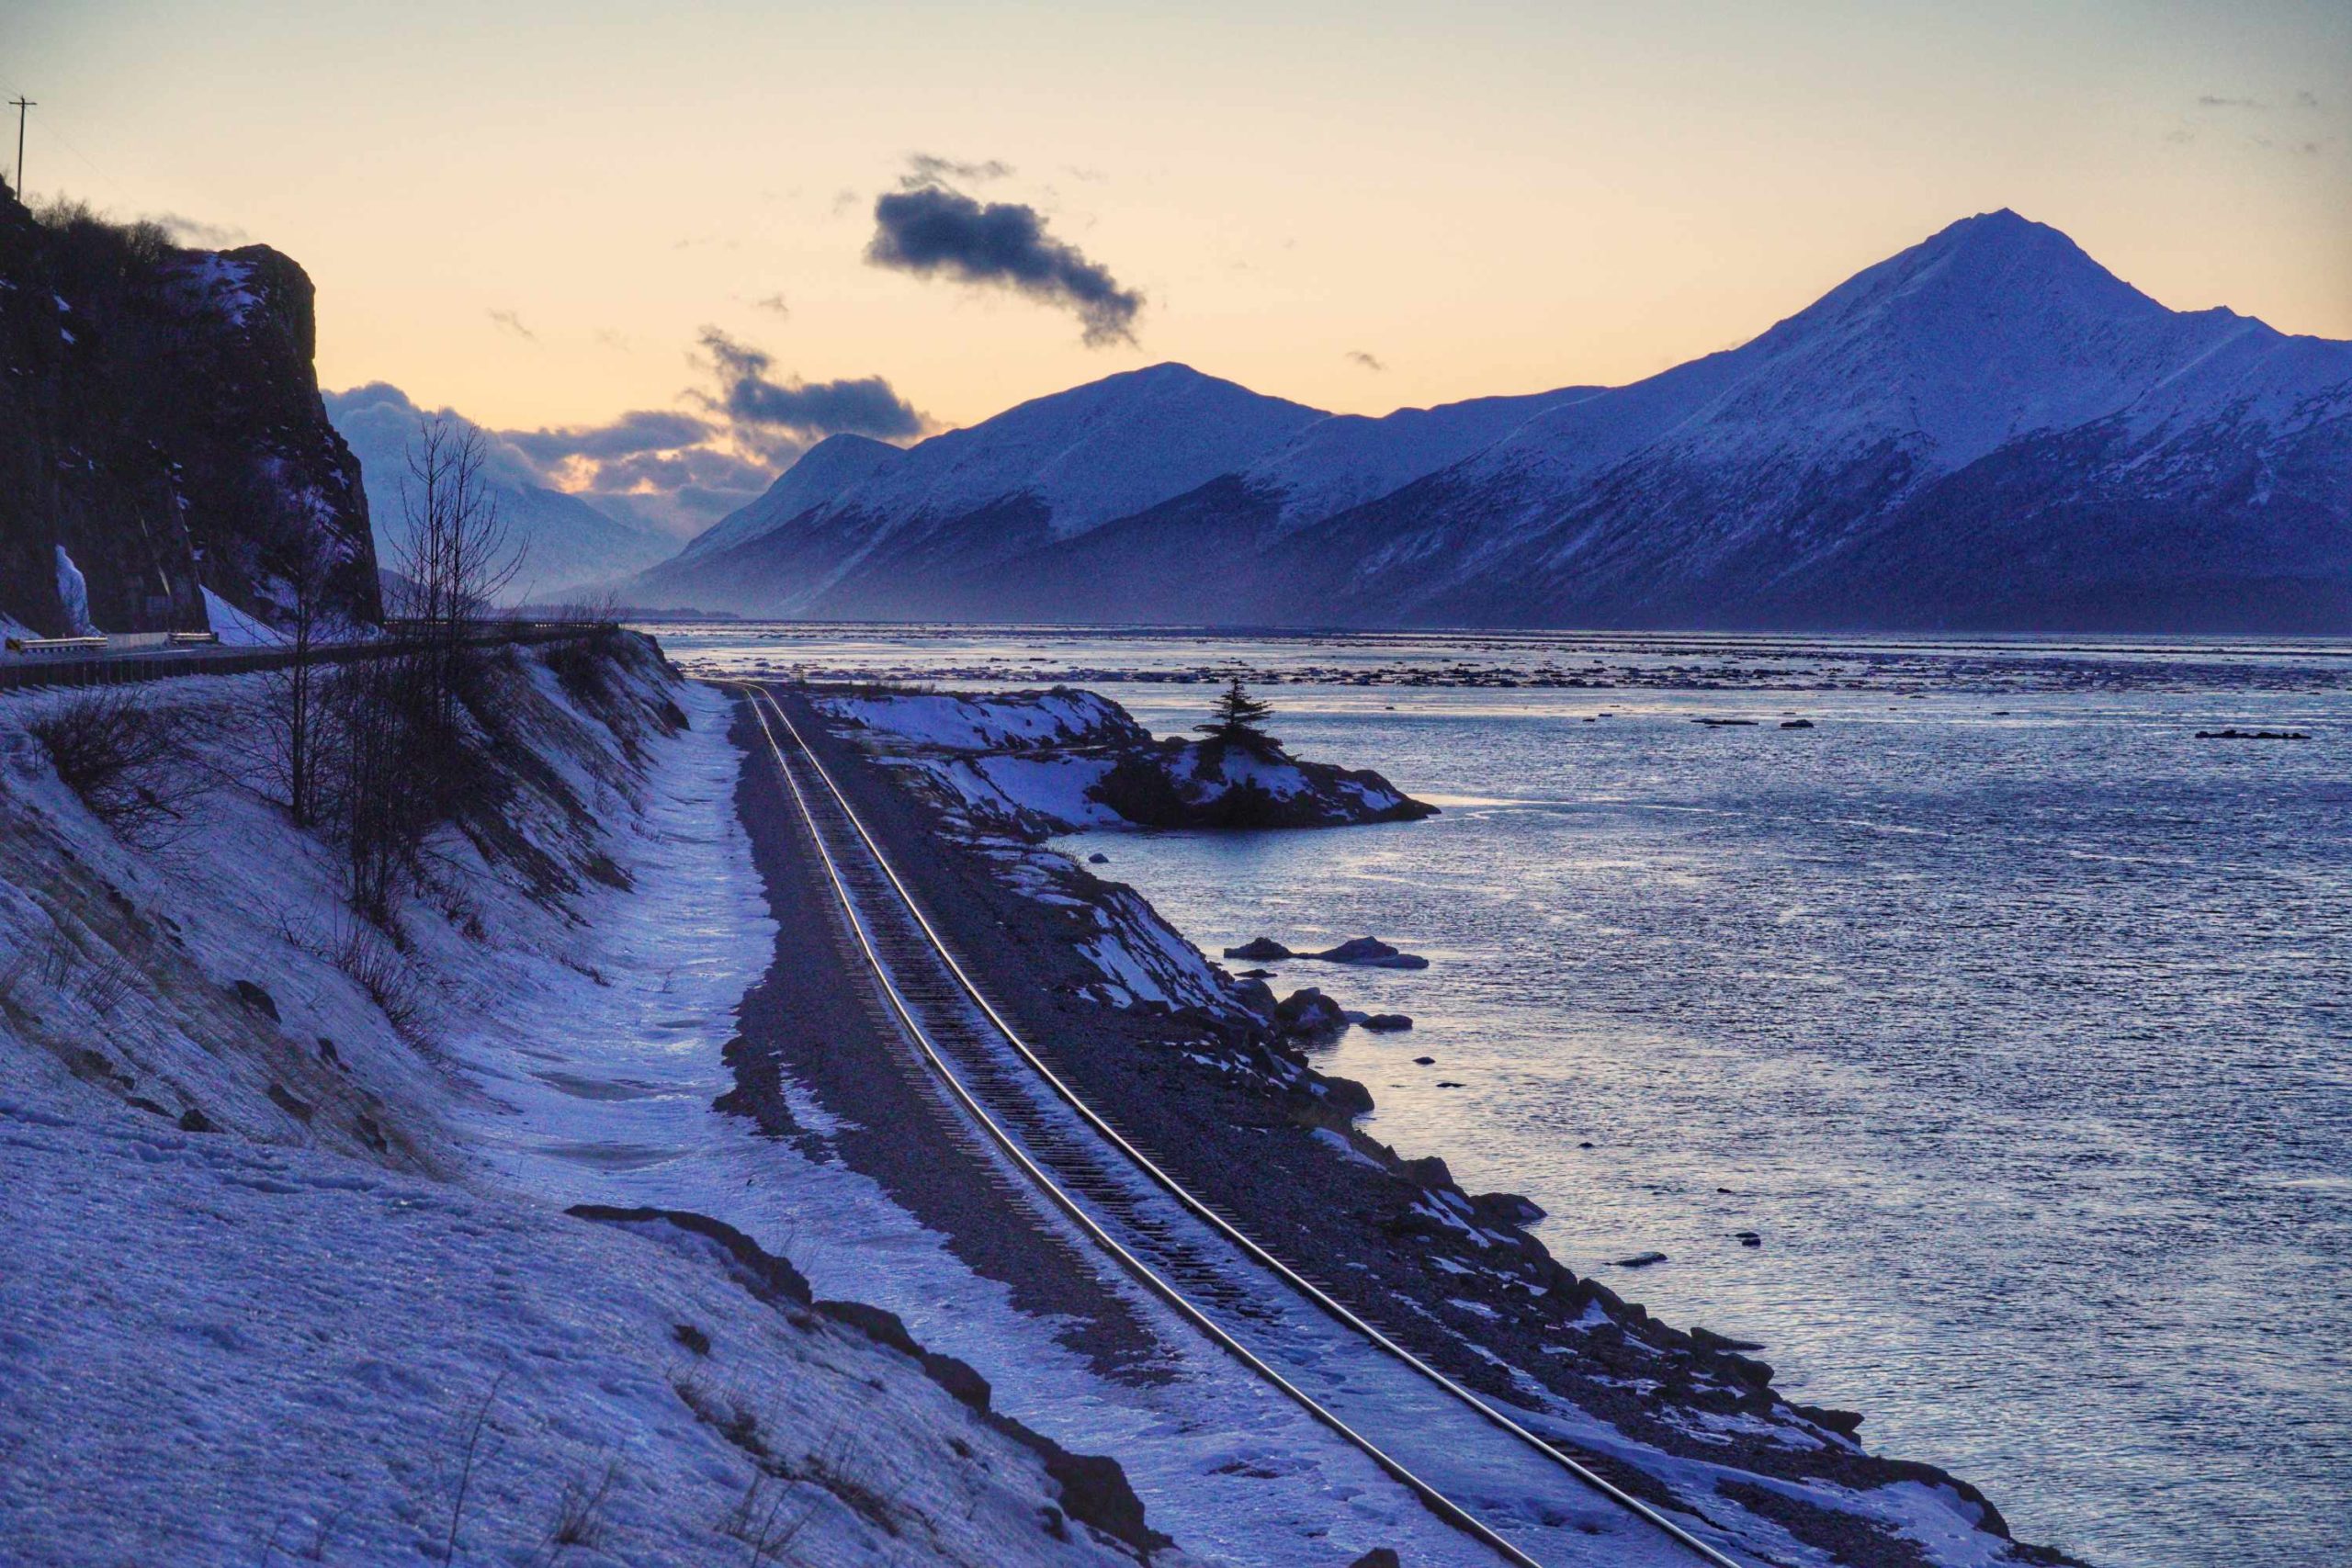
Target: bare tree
[
  {"x": 303, "y": 561},
  {"x": 457, "y": 558}
]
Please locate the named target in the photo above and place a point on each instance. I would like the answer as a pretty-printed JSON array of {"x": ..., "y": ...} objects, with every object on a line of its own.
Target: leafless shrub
[
  {"x": 50, "y": 961},
  {"x": 834, "y": 1467},
  {"x": 580, "y": 1511},
  {"x": 104, "y": 982},
  {"x": 760, "y": 1520},
  {"x": 129, "y": 762},
  {"x": 465, "y": 1475},
  {"x": 305, "y": 562},
  {"x": 583, "y": 668},
  {"x": 457, "y": 556},
  {"x": 60, "y": 965},
  {"x": 373, "y": 965}
]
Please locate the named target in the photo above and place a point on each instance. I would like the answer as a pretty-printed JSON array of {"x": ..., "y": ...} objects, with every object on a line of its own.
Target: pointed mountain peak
[{"x": 2006, "y": 232}]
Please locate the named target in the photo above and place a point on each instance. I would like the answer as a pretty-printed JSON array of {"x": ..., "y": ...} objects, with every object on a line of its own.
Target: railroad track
[{"x": 1478, "y": 1469}]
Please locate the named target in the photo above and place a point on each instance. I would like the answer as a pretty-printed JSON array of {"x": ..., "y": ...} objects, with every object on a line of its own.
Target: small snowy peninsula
[{"x": 1048, "y": 761}]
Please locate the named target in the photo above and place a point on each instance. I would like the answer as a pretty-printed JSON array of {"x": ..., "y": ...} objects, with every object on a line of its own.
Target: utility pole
[{"x": 21, "y": 104}]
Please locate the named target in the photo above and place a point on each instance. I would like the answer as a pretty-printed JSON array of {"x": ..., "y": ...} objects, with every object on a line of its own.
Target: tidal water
[{"x": 2013, "y": 1019}]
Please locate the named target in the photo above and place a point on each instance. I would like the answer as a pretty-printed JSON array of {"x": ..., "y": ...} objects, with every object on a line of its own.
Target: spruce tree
[{"x": 1237, "y": 718}]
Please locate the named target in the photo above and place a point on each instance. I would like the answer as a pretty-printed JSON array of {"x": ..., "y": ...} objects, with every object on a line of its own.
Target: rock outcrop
[{"x": 161, "y": 432}]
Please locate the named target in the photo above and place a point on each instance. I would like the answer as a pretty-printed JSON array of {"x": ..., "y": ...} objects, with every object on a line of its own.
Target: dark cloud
[
  {"x": 935, "y": 230},
  {"x": 1369, "y": 361},
  {"x": 644, "y": 430},
  {"x": 2306, "y": 99},
  {"x": 2214, "y": 101},
  {"x": 923, "y": 169},
  {"x": 759, "y": 406},
  {"x": 697, "y": 467},
  {"x": 772, "y": 302},
  {"x": 196, "y": 233},
  {"x": 509, "y": 321}
]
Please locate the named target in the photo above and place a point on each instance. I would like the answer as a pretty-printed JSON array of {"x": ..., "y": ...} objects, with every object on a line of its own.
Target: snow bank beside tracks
[{"x": 284, "y": 1190}]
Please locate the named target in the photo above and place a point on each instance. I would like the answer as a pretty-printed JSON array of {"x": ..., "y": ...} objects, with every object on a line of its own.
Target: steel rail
[
  {"x": 1210, "y": 1216},
  {"x": 1437, "y": 1502}
]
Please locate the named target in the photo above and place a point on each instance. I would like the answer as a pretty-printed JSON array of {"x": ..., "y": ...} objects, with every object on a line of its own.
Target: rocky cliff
[{"x": 161, "y": 432}]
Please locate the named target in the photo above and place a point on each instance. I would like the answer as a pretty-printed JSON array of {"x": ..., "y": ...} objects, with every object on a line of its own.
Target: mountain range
[
  {"x": 558, "y": 542},
  {"x": 1988, "y": 431}
]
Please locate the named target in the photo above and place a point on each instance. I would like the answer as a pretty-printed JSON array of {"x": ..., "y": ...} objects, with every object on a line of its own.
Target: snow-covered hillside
[
  {"x": 1348, "y": 459},
  {"x": 1047, "y": 469},
  {"x": 286, "y": 1271},
  {"x": 1988, "y": 429},
  {"x": 819, "y": 475}
]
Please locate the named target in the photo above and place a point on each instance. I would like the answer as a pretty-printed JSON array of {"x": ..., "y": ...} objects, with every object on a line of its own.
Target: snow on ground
[
  {"x": 216, "y": 1352},
  {"x": 282, "y": 1331},
  {"x": 1235, "y": 1473},
  {"x": 279, "y": 1331},
  {"x": 1002, "y": 722},
  {"x": 234, "y": 627}
]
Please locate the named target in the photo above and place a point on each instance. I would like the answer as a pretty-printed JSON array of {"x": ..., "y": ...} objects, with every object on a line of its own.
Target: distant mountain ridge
[
  {"x": 1986, "y": 430},
  {"x": 561, "y": 542}
]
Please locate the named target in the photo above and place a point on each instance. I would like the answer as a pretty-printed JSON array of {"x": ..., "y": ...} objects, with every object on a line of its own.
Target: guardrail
[{"x": 81, "y": 663}]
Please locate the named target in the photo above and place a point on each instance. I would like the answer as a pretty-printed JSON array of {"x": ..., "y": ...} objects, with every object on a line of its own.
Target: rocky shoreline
[
  {"x": 1031, "y": 764},
  {"x": 1207, "y": 1070}
]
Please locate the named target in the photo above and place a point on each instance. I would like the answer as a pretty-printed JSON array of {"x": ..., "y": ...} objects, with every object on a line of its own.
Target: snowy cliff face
[
  {"x": 160, "y": 423},
  {"x": 1988, "y": 429}
]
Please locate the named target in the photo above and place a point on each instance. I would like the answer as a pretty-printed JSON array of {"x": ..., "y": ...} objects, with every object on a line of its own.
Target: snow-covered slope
[
  {"x": 819, "y": 475},
  {"x": 1348, "y": 459},
  {"x": 283, "y": 1205},
  {"x": 1105, "y": 450},
  {"x": 1048, "y": 470}
]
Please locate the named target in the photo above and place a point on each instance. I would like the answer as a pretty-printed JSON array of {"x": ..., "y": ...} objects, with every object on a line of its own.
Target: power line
[
  {"x": 23, "y": 106},
  {"x": 49, "y": 129}
]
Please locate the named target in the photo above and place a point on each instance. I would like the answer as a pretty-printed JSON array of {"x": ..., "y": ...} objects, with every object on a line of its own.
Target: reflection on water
[{"x": 2010, "y": 1017}]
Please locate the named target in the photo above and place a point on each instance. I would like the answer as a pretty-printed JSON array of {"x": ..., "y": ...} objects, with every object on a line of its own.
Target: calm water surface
[{"x": 2010, "y": 1016}]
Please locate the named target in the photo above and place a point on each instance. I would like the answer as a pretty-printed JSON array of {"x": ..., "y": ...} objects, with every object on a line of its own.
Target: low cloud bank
[{"x": 665, "y": 469}]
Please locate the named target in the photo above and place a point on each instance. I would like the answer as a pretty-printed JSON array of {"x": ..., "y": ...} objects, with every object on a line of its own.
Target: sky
[{"x": 599, "y": 225}]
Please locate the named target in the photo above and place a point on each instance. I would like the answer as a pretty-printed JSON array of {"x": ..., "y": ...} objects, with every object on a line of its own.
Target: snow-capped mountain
[
  {"x": 817, "y": 475},
  {"x": 906, "y": 529},
  {"x": 562, "y": 543},
  {"x": 1988, "y": 430}
]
